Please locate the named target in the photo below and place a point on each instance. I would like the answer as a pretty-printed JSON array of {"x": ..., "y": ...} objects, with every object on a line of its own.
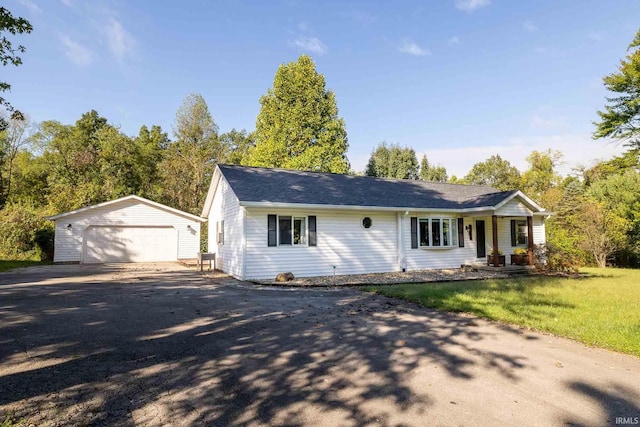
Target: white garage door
[{"x": 130, "y": 244}]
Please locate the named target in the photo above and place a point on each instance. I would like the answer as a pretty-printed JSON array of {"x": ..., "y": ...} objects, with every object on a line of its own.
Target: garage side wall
[
  {"x": 229, "y": 247},
  {"x": 69, "y": 241}
]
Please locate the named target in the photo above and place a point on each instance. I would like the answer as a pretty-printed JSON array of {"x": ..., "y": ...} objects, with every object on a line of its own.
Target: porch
[{"x": 505, "y": 241}]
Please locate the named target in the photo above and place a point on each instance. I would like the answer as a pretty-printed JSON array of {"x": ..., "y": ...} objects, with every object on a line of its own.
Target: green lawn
[
  {"x": 602, "y": 309},
  {"x": 9, "y": 264}
]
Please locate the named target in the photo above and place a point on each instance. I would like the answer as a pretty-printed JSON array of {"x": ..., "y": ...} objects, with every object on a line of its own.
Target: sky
[{"x": 457, "y": 80}]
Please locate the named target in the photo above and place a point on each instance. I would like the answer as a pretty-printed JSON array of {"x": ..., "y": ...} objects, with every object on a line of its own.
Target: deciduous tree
[
  {"x": 9, "y": 54},
  {"x": 432, "y": 173},
  {"x": 393, "y": 161},
  {"x": 298, "y": 126},
  {"x": 192, "y": 156},
  {"x": 495, "y": 172}
]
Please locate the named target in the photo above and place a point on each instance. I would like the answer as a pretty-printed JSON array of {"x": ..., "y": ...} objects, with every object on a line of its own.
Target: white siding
[
  {"x": 539, "y": 234},
  {"x": 514, "y": 208},
  {"x": 433, "y": 258},
  {"x": 341, "y": 241},
  {"x": 229, "y": 254},
  {"x": 504, "y": 234},
  {"x": 69, "y": 242}
]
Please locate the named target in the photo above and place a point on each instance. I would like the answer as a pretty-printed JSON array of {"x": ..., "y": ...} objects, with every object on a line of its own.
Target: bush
[
  {"x": 520, "y": 251},
  {"x": 555, "y": 258},
  {"x": 24, "y": 233},
  {"x": 44, "y": 240}
]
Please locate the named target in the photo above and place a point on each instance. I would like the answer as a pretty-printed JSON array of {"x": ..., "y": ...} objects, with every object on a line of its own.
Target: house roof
[
  {"x": 261, "y": 186},
  {"x": 124, "y": 199}
]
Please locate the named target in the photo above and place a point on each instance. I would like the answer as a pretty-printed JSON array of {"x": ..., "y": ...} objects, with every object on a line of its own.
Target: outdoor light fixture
[
  {"x": 470, "y": 230},
  {"x": 69, "y": 227},
  {"x": 189, "y": 227}
]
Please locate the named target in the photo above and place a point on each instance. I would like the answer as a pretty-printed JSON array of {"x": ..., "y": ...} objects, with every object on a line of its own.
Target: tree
[
  {"x": 603, "y": 231},
  {"x": 238, "y": 144},
  {"x": 393, "y": 161},
  {"x": 432, "y": 173},
  {"x": 540, "y": 180},
  {"x": 298, "y": 125},
  {"x": 620, "y": 196},
  {"x": 12, "y": 139},
  {"x": 621, "y": 118},
  {"x": 151, "y": 147},
  {"x": 9, "y": 53},
  {"x": 494, "y": 172},
  {"x": 191, "y": 158}
]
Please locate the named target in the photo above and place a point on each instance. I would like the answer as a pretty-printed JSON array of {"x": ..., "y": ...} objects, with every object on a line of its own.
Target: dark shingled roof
[{"x": 252, "y": 184}]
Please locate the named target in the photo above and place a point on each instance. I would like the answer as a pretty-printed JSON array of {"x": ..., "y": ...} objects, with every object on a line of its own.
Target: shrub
[
  {"x": 520, "y": 251},
  {"x": 554, "y": 258},
  {"x": 24, "y": 233}
]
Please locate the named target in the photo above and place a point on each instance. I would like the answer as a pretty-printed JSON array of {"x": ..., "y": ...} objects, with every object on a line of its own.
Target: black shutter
[
  {"x": 513, "y": 233},
  {"x": 460, "y": 232},
  {"x": 414, "y": 232},
  {"x": 312, "y": 231},
  {"x": 272, "y": 234}
]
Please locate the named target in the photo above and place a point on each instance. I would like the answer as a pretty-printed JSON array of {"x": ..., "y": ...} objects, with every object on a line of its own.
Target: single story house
[
  {"x": 129, "y": 229},
  {"x": 267, "y": 221}
]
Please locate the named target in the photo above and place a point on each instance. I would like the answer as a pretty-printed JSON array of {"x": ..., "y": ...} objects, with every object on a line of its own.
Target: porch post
[
  {"x": 530, "y": 239},
  {"x": 494, "y": 230}
]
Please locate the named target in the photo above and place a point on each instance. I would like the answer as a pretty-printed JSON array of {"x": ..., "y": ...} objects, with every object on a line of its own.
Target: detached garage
[{"x": 130, "y": 229}]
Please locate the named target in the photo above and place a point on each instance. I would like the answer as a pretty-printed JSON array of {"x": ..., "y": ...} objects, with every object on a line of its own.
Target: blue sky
[{"x": 459, "y": 80}]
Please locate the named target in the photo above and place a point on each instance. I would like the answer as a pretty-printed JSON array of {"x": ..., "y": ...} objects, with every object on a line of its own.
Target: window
[
  {"x": 299, "y": 231},
  {"x": 284, "y": 230},
  {"x": 438, "y": 232},
  {"x": 521, "y": 232},
  {"x": 288, "y": 230}
]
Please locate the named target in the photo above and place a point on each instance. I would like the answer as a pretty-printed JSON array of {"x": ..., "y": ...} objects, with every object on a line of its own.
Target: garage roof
[{"x": 123, "y": 199}]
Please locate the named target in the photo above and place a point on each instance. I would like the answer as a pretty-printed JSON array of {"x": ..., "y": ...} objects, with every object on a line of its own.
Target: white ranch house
[{"x": 267, "y": 221}]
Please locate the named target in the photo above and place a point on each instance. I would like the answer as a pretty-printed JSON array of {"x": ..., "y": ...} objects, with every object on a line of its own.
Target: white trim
[
  {"x": 213, "y": 186},
  {"x": 126, "y": 198},
  {"x": 244, "y": 243},
  {"x": 526, "y": 199}
]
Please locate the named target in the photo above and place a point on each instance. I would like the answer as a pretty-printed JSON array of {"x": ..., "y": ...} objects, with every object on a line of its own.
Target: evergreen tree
[{"x": 621, "y": 118}]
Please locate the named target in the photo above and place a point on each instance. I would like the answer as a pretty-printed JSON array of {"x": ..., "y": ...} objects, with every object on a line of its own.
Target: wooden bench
[{"x": 204, "y": 256}]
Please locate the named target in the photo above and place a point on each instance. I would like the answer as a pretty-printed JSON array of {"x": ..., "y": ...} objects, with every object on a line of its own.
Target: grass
[
  {"x": 600, "y": 310},
  {"x": 10, "y": 264}
]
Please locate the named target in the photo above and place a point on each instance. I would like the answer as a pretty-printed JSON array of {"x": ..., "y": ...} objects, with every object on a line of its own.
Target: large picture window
[{"x": 438, "y": 232}]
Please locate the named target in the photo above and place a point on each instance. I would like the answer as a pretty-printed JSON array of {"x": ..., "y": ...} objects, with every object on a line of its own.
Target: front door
[{"x": 480, "y": 240}]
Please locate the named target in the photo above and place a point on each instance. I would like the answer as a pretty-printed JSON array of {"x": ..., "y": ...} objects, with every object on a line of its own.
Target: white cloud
[
  {"x": 529, "y": 26},
  {"x": 541, "y": 50},
  {"x": 577, "y": 150},
  {"x": 67, "y": 2},
  {"x": 79, "y": 54},
  {"x": 454, "y": 40},
  {"x": 31, "y": 5},
  {"x": 596, "y": 37},
  {"x": 311, "y": 44},
  {"x": 471, "y": 5},
  {"x": 120, "y": 42},
  {"x": 413, "y": 49}
]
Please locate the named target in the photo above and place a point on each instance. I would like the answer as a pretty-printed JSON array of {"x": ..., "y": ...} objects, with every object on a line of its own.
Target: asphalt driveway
[{"x": 160, "y": 344}]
